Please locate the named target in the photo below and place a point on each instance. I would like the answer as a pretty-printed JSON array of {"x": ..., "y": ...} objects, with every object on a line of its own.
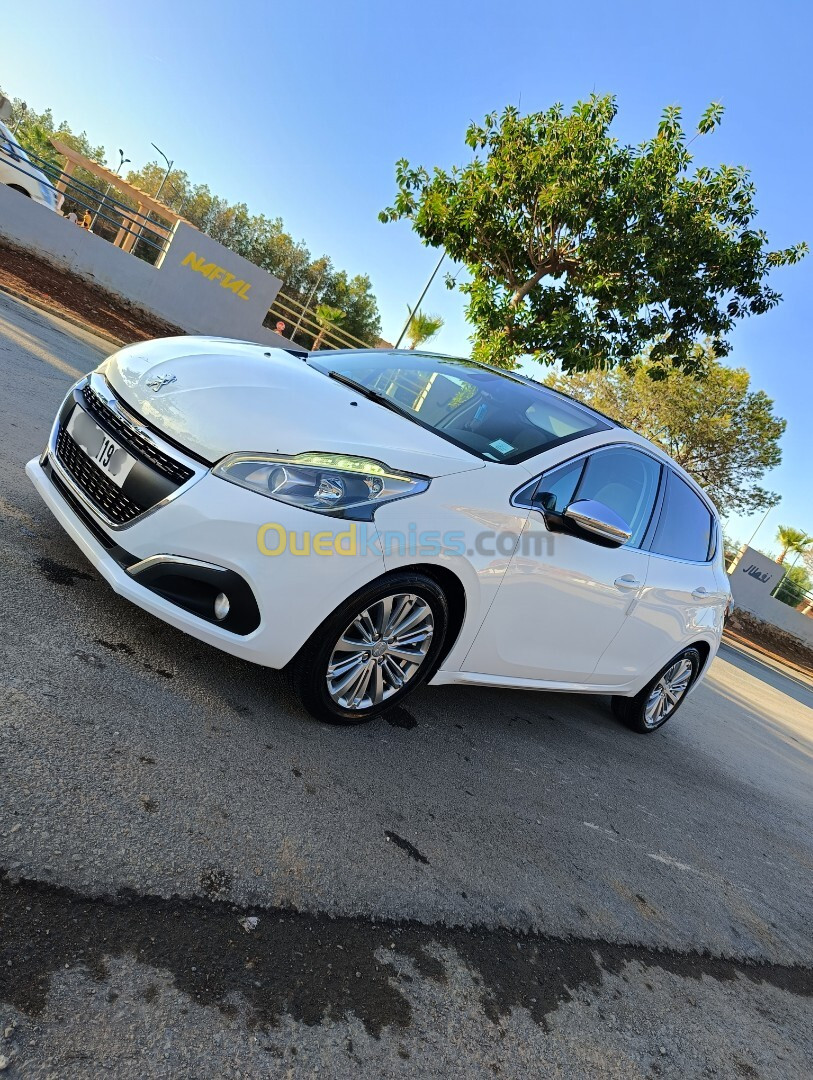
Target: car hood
[{"x": 215, "y": 397}]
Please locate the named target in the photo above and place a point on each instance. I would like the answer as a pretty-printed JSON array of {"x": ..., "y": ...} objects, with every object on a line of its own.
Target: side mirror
[{"x": 599, "y": 521}]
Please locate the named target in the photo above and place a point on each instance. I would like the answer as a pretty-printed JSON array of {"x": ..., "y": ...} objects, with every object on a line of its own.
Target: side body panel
[
  {"x": 665, "y": 617},
  {"x": 465, "y": 524},
  {"x": 559, "y": 607}
]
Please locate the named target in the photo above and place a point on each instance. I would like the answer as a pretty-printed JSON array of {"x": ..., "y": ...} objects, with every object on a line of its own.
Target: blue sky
[{"x": 301, "y": 111}]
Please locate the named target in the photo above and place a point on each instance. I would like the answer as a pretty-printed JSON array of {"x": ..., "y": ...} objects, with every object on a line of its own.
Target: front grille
[
  {"x": 138, "y": 446},
  {"x": 109, "y": 498}
]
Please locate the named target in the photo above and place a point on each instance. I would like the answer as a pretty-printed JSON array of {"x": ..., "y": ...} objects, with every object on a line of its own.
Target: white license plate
[{"x": 111, "y": 458}]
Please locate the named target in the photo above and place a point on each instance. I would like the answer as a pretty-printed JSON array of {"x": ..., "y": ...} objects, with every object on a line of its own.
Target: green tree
[
  {"x": 725, "y": 435},
  {"x": 793, "y": 586},
  {"x": 586, "y": 251},
  {"x": 355, "y": 298},
  {"x": 260, "y": 239},
  {"x": 327, "y": 317},
  {"x": 792, "y": 540},
  {"x": 34, "y": 132},
  {"x": 422, "y": 327},
  {"x": 265, "y": 242}
]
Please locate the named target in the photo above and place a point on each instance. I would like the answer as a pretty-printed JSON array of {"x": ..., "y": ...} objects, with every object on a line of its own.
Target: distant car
[
  {"x": 373, "y": 520},
  {"x": 17, "y": 171}
]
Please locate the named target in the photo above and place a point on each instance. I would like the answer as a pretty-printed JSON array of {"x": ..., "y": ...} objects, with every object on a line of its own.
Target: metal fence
[
  {"x": 114, "y": 220},
  {"x": 109, "y": 215},
  {"x": 792, "y": 594},
  {"x": 302, "y": 326}
]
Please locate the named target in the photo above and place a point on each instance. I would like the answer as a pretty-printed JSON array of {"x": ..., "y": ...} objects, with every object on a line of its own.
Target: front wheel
[
  {"x": 376, "y": 648},
  {"x": 662, "y": 696}
]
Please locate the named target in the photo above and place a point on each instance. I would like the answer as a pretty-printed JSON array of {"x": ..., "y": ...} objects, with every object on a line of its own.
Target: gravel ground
[
  {"x": 491, "y": 883},
  {"x": 28, "y": 277}
]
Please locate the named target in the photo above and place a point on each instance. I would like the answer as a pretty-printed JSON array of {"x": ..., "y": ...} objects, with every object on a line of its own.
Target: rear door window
[{"x": 685, "y": 527}]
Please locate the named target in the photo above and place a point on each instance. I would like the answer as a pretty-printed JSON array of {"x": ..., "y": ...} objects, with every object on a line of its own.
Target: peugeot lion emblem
[{"x": 160, "y": 381}]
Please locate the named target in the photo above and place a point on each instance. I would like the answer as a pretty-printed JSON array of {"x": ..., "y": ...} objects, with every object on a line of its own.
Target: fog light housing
[{"x": 222, "y": 606}]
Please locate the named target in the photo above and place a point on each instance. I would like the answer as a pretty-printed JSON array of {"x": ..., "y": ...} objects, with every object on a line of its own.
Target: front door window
[
  {"x": 563, "y": 598},
  {"x": 626, "y": 481}
]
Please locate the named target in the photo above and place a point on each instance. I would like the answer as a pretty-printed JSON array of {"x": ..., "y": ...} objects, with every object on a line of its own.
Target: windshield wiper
[{"x": 372, "y": 395}]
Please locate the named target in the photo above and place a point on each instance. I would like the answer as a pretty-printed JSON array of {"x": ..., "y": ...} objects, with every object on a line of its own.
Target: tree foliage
[
  {"x": 422, "y": 327},
  {"x": 585, "y": 251},
  {"x": 792, "y": 541},
  {"x": 793, "y": 586},
  {"x": 327, "y": 317},
  {"x": 725, "y": 435},
  {"x": 260, "y": 239},
  {"x": 355, "y": 299},
  {"x": 34, "y": 130},
  {"x": 264, "y": 241}
]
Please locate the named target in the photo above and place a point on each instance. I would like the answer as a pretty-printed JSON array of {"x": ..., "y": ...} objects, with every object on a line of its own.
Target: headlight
[{"x": 337, "y": 484}]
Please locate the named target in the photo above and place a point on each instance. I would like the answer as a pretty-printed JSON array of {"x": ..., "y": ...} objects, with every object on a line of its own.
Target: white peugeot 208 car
[{"x": 372, "y": 520}]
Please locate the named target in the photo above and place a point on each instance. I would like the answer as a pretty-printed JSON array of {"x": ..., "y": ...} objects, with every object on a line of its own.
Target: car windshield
[{"x": 488, "y": 412}]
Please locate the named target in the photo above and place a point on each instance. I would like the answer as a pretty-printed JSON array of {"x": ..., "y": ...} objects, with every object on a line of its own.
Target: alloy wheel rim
[
  {"x": 667, "y": 693},
  {"x": 380, "y": 651}
]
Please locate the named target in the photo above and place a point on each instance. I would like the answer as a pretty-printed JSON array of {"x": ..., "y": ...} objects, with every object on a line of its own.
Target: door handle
[
  {"x": 700, "y": 593},
  {"x": 627, "y": 582}
]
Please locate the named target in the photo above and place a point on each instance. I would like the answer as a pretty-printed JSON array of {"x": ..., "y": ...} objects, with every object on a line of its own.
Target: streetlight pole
[
  {"x": 307, "y": 305},
  {"x": 21, "y": 117},
  {"x": 166, "y": 174},
  {"x": 762, "y": 522},
  {"x": 122, "y": 161},
  {"x": 158, "y": 192},
  {"x": 420, "y": 299}
]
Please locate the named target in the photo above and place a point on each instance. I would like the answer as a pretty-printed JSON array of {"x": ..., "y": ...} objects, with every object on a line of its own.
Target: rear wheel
[
  {"x": 661, "y": 697},
  {"x": 376, "y": 648},
  {"x": 22, "y": 191}
]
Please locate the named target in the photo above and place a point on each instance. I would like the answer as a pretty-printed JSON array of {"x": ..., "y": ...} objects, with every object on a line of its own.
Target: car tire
[
  {"x": 22, "y": 191},
  {"x": 391, "y": 633},
  {"x": 662, "y": 696}
]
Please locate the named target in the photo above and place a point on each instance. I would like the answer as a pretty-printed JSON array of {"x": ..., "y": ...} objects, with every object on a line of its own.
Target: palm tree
[
  {"x": 793, "y": 540},
  {"x": 422, "y": 328},
  {"x": 326, "y": 316}
]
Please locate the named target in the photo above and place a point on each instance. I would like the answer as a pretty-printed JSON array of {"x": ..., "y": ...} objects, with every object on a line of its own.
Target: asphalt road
[{"x": 492, "y": 883}]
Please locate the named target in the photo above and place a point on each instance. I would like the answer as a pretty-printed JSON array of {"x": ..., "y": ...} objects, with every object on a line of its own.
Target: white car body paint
[
  {"x": 555, "y": 621},
  {"x": 217, "y": 522},
  {"x": 233, "y": 395},
  {"x": 17, "y": 170}
]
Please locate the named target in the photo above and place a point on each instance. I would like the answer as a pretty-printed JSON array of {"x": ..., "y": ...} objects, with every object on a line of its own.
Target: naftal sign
[{"x": 217, "y": 273}]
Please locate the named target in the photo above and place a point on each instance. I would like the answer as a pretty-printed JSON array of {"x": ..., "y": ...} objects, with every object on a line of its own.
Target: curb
[
  {"x": 35, "y": 302},
  {"x": 766, "y": 652}
]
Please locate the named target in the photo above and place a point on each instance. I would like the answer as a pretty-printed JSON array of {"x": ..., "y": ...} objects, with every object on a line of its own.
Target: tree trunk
[{"x": 525, "y": 288}]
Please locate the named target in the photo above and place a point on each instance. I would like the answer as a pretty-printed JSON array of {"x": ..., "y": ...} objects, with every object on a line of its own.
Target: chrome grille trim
[
  {"x": 99, "y": 387},
  {"x": 109, "y": 416}
]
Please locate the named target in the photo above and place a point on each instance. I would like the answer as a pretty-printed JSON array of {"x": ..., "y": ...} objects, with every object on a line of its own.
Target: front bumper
[{"x": 216, "y": 524}]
